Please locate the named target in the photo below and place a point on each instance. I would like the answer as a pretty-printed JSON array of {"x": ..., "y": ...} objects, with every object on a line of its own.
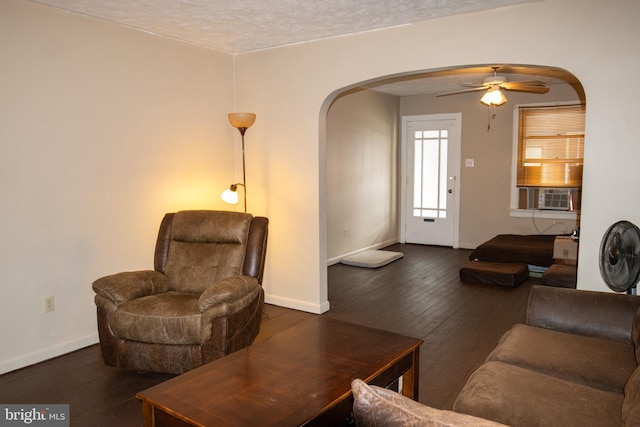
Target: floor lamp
[{"x": 242, "y": 122}]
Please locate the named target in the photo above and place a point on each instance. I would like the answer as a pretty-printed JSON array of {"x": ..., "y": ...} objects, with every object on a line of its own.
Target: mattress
[{"x": 529, "y": 249}]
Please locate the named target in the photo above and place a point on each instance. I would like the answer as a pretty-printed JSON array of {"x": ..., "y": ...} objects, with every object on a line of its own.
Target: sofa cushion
[
  {"x": 375, "y": 406},
  {"x": 522, "y": 397},
  {"x": 635, "y": 334},
  {"x": 592, "y": 313},
  {"x": 631, "y": 405},
  {"x": 167, "y": 318},
  {"x": 591, "y": 361}
]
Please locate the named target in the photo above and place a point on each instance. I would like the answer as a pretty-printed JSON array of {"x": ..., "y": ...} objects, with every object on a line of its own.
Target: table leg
[
  {"x": 147, "y": 415},
  {"x": 411, "y": 378}
]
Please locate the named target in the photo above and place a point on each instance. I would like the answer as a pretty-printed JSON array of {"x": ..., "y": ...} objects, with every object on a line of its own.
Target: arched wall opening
[{"x": 360, "y": 138}]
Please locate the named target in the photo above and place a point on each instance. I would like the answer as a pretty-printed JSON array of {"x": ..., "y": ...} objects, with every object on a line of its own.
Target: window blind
[{"x": 550, "y": 146}]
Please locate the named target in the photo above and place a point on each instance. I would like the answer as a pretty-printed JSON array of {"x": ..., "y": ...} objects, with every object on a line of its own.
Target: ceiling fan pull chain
[
  {"x": 489, "y": 119},
  {"x": 491, "y": 114}
]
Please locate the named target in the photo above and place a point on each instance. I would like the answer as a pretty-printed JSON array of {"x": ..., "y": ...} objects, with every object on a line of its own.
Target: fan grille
[{"x": 620, "y": 256}]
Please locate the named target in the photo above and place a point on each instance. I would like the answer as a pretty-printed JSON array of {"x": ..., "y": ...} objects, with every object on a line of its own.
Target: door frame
[{"x": 457, "y": 154}]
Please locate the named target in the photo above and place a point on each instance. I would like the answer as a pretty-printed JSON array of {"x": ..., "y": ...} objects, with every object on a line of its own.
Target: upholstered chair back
[{"x": 205, "y": 247}]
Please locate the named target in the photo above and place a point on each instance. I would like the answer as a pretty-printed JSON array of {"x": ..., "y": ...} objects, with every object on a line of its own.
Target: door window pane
[{"x": 430, "y": 173}]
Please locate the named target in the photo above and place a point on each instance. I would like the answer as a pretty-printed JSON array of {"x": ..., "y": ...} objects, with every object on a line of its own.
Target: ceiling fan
[{"x": 494, "y": 83}]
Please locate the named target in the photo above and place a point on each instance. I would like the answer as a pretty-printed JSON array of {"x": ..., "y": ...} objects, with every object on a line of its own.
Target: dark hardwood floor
[{"x": 419, "y": 295}]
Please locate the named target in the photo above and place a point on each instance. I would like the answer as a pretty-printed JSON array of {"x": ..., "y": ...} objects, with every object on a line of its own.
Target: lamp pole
[{"x": 244, "y": 170}]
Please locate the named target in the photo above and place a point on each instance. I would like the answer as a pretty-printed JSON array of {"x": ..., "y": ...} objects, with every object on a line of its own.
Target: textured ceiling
[{"x": 236, "y": 26}]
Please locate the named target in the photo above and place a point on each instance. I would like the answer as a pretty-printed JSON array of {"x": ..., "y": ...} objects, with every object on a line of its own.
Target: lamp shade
[
  {"x": 241, "y": 120},
  {"x": 230, "y": 196},
  {"x": 494, "y": 96}
]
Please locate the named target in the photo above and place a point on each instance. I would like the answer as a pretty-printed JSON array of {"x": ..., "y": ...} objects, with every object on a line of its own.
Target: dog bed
[
  {"x": 529, "y": 249},
  {"x": 372, "y": 258},
  {"x": 495, "y": 273}
]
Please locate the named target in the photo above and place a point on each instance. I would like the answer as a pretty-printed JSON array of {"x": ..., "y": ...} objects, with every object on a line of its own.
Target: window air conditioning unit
[{"x": 558, "y": 199}]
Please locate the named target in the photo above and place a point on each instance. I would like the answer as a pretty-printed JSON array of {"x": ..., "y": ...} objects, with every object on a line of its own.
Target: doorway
[{"x": 430, "y": 185}]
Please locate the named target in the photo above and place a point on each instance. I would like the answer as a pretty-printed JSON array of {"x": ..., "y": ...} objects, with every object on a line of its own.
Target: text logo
[{"x": 34, "y": 415}]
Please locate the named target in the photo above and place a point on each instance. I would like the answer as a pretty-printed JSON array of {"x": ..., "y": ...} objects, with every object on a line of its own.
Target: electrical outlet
[
  {"x": 49, "y": 304},
  {"x": 469, "y": 163}
]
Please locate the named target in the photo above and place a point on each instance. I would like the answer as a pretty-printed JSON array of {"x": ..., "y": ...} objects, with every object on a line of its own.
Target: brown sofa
[{"x": 574, "y": 363}]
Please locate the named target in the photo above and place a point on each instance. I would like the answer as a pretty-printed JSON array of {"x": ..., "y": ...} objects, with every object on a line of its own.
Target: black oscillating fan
[{"x": 620, "y": 256}]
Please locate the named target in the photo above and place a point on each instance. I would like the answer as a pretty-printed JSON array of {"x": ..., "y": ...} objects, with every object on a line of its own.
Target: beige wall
[
  {"x": 290, "y": 89},
  {"x": 102, "y": 130},
  {"x": 485, "y": 189},
  {"x": 362, "y": 171}
]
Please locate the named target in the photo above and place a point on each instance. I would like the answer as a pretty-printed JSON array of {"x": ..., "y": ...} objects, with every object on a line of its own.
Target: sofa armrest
[
  {"x": 127, "y": 286},
  {"x": 598, "y": 314},
  {"x": 376, "y": 406},
  {"x": 229, "y": 295}
]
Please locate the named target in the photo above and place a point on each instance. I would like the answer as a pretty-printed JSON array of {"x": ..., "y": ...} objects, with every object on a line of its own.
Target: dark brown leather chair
[{"x": 203, "y": 299}]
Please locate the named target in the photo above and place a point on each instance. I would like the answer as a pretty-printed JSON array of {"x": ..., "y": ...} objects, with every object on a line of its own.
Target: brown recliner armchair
[{"x": 203, "y": 299}]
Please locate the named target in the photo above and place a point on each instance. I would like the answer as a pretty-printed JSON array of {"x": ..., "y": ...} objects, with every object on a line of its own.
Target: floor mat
[{"x": 372, "y": 258}]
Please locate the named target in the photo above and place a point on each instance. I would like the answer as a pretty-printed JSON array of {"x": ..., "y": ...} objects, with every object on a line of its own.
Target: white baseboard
[
  {"x": 48, "y": 353},
  {"x": 466, "y": 245},
  {"x": 335, "y": 260},
  {"x": 297, "y": 304}
]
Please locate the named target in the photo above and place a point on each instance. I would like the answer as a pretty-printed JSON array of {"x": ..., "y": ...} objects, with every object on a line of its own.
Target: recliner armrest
[
  {"x": 232, "y": 293},
  {"x": 127, "y": 286},
  {"x": 591, "y": 313}
]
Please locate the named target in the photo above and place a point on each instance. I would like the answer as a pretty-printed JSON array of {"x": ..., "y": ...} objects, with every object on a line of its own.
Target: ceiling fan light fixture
[{"x": 493, "y": 96}]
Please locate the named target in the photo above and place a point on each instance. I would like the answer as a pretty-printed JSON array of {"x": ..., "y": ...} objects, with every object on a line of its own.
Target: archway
[{"x": 348, "y": 141}]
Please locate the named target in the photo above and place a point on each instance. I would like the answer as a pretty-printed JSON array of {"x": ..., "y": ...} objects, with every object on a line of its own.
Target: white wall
[
  {"x": 102, "y": 131},
  {"x": 290, "y": 89},
  {"x": 362, "y": 171}
]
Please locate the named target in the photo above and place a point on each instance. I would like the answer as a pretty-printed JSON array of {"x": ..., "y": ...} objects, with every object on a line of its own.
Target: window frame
[{"x": 514, "y": 209}]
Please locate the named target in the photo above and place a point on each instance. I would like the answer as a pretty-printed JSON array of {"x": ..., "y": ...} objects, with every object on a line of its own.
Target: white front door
[{"x": 432, "y": 151}]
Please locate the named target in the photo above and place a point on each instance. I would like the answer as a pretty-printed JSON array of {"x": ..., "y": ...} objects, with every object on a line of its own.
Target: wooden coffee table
[{"x": 301, "y": 376}]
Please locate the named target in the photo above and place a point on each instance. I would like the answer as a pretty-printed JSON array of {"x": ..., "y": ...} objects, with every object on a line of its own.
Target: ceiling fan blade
[
  {"x": 532, "y": 89},
  {"x": 509, "y": 85},
  {"x": 455, "y": 92}
]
